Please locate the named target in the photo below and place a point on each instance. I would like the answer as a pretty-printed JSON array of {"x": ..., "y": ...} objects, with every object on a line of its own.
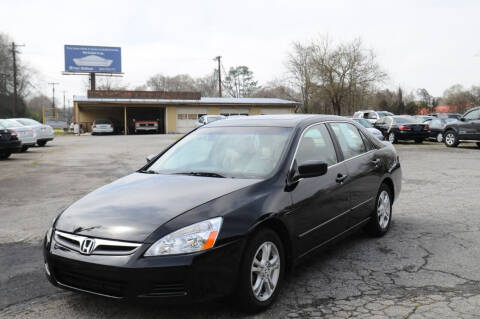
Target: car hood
[{"x": 132, "y": 207}]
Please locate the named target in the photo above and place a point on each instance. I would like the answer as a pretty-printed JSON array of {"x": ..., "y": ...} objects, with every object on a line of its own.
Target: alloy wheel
[
  {"x": 439, "y": 137},
  {"x": 265, "y": 271},
  {"x": 391, "y": 137},
  {"x": 384, "y": 209},
  {"x": 450, "y": 139}
]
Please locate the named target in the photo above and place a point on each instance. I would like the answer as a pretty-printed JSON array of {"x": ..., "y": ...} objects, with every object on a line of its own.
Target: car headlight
[{"x": 196, "y": 237}]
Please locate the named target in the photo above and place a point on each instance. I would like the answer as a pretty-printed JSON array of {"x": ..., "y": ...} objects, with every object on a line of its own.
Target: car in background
[
  {"x": 467, "y": 129},
  {"x": 369, "y": 127},
  {"x": 371, "y": 115},
  {"x": 44, "y": 132},
  {"x": 9, "y": 143},
  {"x": 103, "y": 127},
  {"x": 146, "y": 126},
  {"x": 226, "y": 210},
  {"x": 26, "y": 135},
  {"x": 446, "y": 115},
  {"x": 404, "y": 128},
  {"x": 205, "y": 119},
  {"x": 437, "y": 126}
]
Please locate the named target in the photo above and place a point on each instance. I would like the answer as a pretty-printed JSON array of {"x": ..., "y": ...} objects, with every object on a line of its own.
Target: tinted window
[
  {"x": 383, "y": 114},
  {"x": 102, "y": 122},
  {"x": 316, "y": 145},
  {"x": 403, "y": 120},
  {"x": 243, "y": 152},
  {"x": 473, "y": 115},
  {"x": 350, "y": 140},
  {"x": 364, "y": 123},
  {"x": 436, "y": 123}
]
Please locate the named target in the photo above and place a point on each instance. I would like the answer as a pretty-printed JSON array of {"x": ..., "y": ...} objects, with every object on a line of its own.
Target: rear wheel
[
  {"x": 478, "y": 144},
  {"x": 24, "y": 149},
  {"x": 419, "y": 140},
  {"x": 5, "y": 154},
  {"x": 42, "y": 143},
  {"x": 382, "y": 215},
  {"x": 439, "y": 137},
  {"x": 451, "y": 139},
  {"x": 391, "y": 137},
  {"x": 261, "y": 272}
]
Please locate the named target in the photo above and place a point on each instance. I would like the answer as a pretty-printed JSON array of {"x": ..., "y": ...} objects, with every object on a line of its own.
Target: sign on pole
[{"x": 92, "y": 59}]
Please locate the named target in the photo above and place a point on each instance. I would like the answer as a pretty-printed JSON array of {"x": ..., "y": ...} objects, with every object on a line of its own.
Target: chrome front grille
[{"x": 100, "y": 246}]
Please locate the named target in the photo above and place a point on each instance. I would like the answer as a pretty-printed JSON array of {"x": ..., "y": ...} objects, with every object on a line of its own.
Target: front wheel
[
  {"x": 478, "y": 144},
  {"x": 391, "y": 137},
  {"x": 382, "y": 216},
  {"x": 439, "y": 138},
  {"x": 451, "y": 139},
  {"x": 261, "y": 272},
  {"x": 5, "y": 154},
  {"x": 419, "y": 140}
]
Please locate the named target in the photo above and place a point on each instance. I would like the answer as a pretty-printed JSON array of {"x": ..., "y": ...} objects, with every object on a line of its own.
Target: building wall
[{"x": 171, "y": 118}]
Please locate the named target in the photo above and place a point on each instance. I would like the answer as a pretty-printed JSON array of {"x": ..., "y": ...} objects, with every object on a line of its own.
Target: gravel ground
[{"x": 425, "y": 267}]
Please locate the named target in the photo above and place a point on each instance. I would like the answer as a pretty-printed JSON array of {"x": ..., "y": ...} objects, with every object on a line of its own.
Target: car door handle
[
  {"x": 341, "y": 177},
  {"x": 376, "y": 161}
]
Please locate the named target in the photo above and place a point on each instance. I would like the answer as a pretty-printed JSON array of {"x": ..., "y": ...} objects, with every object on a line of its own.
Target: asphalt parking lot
[{"x": 427, "y": 266}]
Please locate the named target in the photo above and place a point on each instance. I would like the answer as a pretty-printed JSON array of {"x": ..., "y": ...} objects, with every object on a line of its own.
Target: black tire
[
  {"x": 478, "y": 144},
  {"x": 375, "y": 227},
  {"x": 419, "y": 140},
  {"x": 391, "y": 138},
  {"x": 24, "y": 149},
  {"x": 451, "y": 139},
  {"x": 244, "y": 295},
  {"x": 5, "y": 154},
  {"x": 42, "y": 143}
]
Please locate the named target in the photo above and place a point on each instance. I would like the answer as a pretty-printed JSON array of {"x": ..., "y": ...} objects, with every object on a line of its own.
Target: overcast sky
[{"x": 421, "y": 44}]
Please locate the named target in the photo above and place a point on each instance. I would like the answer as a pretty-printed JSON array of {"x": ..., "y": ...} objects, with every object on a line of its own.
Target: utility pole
[
  {"x": 217, "y": 58},
  {"x": 64, "y": 117},
  {"x": 53, "y": 92},
  {"x": 14, "y": 55},
  {"x": 3, "y": 83}
]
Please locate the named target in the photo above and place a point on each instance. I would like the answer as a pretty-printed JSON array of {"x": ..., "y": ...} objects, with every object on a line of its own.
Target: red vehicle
[{"x": 146, "y": 126}]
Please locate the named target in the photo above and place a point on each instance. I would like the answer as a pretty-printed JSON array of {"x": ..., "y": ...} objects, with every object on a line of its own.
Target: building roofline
[{"x": 202, "y": 101}]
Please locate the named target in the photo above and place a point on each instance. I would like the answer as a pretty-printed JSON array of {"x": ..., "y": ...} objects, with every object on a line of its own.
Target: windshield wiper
[
  {"x": 206, "y": 174},
  {"x": 148, "y": 171}
]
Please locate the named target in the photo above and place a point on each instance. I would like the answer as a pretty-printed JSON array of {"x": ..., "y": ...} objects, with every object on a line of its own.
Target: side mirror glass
[
  {"x": 312, "y": 169},
  {"x": 463, "y": 119},
  {"x": 150, "y": 157}
]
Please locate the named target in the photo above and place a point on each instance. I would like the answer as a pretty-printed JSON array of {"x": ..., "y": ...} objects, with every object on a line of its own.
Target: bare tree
[
  {"x": 111, "y": 83},
  {"x": 180, "y": 82},
  {"x": 342, "y": 70},
  {"x": 240, "y": 82},
  {"x": 299, "y": 65}
]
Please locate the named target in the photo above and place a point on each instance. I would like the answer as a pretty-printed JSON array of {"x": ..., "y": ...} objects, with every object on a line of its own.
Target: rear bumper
[
  {"x": 173, "y": 279},
  {"x": 409, "y": 135},
  {"x": 102, "y": 130}
]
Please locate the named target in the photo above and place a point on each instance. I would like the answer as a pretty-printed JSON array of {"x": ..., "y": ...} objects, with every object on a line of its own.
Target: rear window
[
  {"x": 9, "y": 123},
  {"x": 102, "y": 122},
  {"x": 27, "y": 121},
  {"x": 403, "y": 120}
]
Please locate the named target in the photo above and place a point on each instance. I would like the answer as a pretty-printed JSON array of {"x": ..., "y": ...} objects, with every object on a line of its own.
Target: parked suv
[
  {"x": 465, "y": 130},
  {"x": 371, "y": 115}
]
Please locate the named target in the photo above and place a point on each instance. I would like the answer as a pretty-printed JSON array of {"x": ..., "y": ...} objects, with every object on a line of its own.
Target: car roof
[{"x": 279, "y": 120}]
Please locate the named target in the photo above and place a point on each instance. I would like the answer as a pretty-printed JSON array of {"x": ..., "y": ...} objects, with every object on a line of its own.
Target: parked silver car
[
  {"x": 205, "y": 119},
  {"x": 366, "y": 124},
  {"x": 371, "y": 115},
  {"x": 26, "y": 135},
  {"x": 44, "y": 132}
]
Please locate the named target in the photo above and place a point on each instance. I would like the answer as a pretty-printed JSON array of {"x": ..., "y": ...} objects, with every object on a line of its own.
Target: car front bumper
[
  {"x": 174, "y": 279},
  {"x": 11, "y": 146}
]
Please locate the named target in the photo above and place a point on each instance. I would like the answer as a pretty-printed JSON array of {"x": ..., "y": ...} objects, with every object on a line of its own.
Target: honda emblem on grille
[{"x": 87, "y": 246}]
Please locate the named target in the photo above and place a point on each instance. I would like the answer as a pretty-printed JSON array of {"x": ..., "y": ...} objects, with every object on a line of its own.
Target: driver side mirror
[
  {"x": 150, "y": 157},
  {"x": 312, "y": 169}
]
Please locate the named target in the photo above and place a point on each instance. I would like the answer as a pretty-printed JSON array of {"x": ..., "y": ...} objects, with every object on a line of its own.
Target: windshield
[
  {"x": 241, "y": 152},
  {"x": 27, "y": 121},
  {"x": 384, "y": 113},
  {"x": 102, "y": 122},
  {"x": 364, "y": 123},
  {"x": 9, "y": 123}
]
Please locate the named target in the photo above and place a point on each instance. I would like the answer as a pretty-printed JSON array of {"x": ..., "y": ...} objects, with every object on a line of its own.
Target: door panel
[{"x": 319, "y": 203}]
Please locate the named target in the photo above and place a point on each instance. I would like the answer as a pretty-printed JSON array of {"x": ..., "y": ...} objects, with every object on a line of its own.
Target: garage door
[
  {"x": 187, "y": 117},
  {"x": 234, "y": 111},
  {"x": 274, "y": 110}
]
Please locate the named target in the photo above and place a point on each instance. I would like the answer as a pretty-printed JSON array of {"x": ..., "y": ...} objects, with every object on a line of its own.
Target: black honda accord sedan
[{"x": 226, "y": 210}]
